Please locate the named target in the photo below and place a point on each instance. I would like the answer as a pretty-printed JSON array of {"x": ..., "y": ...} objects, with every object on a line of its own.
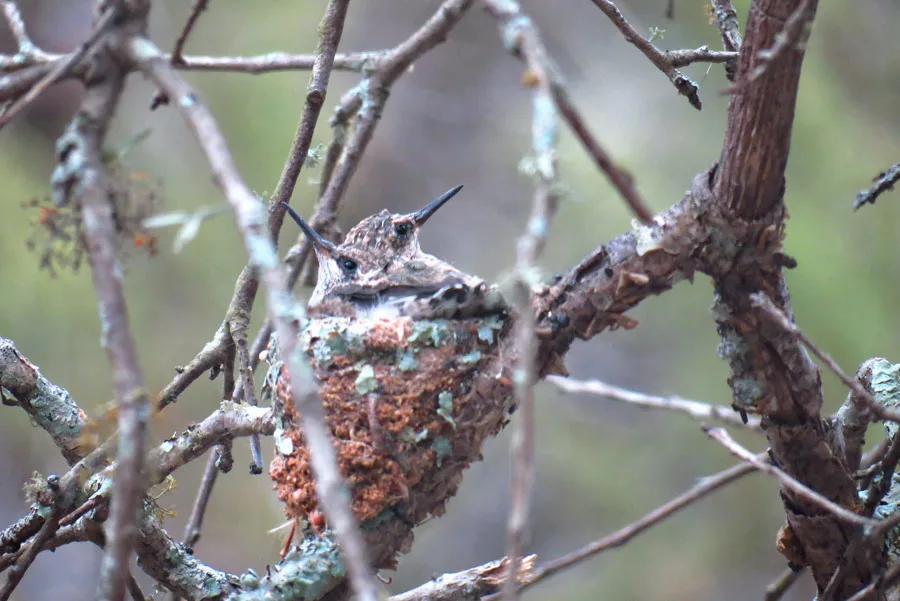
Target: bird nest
[{"x": 409, "y": 404}]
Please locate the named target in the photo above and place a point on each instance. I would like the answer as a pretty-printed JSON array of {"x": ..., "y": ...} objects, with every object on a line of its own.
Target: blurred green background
[{"x": 461, "y": 116}]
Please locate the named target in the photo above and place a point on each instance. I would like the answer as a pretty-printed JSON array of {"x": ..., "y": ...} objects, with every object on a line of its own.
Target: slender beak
[
  {"x": 422, "y": 215},
  {"x": 318, "y": 241}
]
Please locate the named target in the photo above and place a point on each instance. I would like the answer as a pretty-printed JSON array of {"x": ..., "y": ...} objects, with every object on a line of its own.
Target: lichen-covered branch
[
  {"x": 51, "y": 407},
  {"x": 883, "y": 182}
]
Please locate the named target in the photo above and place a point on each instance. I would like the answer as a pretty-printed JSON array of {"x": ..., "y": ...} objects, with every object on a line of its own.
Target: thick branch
[{"x": 761, "y": 114}]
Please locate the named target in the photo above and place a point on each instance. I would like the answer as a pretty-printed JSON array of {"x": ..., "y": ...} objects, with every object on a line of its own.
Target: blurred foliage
[{"x": 461, "y": 117}]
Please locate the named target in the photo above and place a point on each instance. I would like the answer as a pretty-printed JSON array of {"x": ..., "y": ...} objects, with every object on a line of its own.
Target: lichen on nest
[{"x": 407, "y": 406}]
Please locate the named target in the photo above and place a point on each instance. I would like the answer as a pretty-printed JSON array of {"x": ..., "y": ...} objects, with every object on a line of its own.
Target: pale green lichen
[
  {"x": 305, "y": 573},
  {"x": 471, "y": 357},
  {"x": 321, "y": 353},
  {"x": 747, "y": 391},
  {"x": 487, "y": 328},
  {"x": 886, "y": 388},
  {"x": 283, "y": 444},
  {"x": 406, "y": 361},
  {"x": 442, "y": 449},
  {"x": 647, "y": 238},
  {"x": 366, "y": 381},
  {"x": 445, "y": 407},
  {"x": 433, "y": 332}
]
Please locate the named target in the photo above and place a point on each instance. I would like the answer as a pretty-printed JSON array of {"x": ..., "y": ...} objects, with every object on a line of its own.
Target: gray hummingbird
[{"x": 380, "y": 270}]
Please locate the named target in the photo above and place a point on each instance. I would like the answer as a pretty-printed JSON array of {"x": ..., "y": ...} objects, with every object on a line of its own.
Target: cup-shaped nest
[{"x": 409, "y": 404}]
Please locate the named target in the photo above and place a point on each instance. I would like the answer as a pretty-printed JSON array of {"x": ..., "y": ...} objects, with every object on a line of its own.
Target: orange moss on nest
[{"x": 397, "y": 396}]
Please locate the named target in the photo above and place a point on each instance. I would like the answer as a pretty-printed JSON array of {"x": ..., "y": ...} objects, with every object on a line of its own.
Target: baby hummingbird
[
  {"x": 406, "y": 353},
  {"x": 381, "y": 270}
]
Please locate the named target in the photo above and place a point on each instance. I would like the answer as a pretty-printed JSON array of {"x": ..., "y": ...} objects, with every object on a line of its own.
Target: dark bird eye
[
  {"x": 348, "y": 265},
  {"x": 403, "y": 229}
]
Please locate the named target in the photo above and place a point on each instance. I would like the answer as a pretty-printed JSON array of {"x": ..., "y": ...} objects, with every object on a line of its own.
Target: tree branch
[{"x": 695, "y": 409}]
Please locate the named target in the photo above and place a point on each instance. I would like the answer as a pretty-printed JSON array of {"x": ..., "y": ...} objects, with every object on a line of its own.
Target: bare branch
[
  {"x": 81, "y": 174},
  {"x": 683, "y": 58},
  {"x": 238, "y": 315},
  {"x": 624, "y": 535},
  {"x": 521, "y": 39},
  {"x": 282, "y": 307},
  {"x": 28, "y": 52},
  {"x": 883, "y": 182},
  {"x": 275, "y": 61},
  {"x": 695, "y": 409},
  {"x": 776, "y": 589},
  {"x": 792, "y": 38},
  {"x": 63, "y": 67},
  {"x": 196, "y": 10},
  {"x": 545, "y": 136},
  {"x": 229, "y": 422},
  {"x": 471, "y": 585},
  {"x": 194, "y": 526},
  {"x": 663, "y": 61},
  {"x": 722, "y": 437}
]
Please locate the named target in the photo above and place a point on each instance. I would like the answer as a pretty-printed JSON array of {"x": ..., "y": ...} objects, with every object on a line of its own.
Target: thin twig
[
  {"x": 545, "y": 136},
  {"x": 81, "y": 176},
  {"x": 194, "y": 526},
  {"x": 622, "y": 536},
  {"x": 776, "y": 589},
  {"x": 35, "y": 546},
  {"x": 251, "y": 221},
  {"x": 883, "y": 182},
  {"x": 211, "y": 356},
  {"x": 332, "y": 27},
  {"x": 28, "y": 52},
  {"x": 695, "y": 409},
  {"x": 661, "y": 60},
  {"x": 730, "y": 30},
  {"x": 764, "y": 303},
  {"x": 474, "y": 583},
  {"x": 198, "y": 7},
  {"x": 275, "y": 61},
  {"x": 521, "y": 37},
  {"x": 62, "y": 68},
  {"x": 721, "y": 436}
]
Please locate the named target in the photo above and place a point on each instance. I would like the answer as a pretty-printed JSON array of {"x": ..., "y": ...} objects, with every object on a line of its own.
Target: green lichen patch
[
  {"x": 431, "y": 332},
  {"x": 442, "y": 449},
  {"x": 471, "y": 357},
  {"x": 445, "y": 407},
  {"x": 366, "y": 381},
  {"x": 488, "y": 327},
  {"x": 406, "y": 361}
]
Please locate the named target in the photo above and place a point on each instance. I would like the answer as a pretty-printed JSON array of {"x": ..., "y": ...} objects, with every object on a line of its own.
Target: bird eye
[
  {"x": 349, "y": 265},
  {"x": 403, "y": 229}
]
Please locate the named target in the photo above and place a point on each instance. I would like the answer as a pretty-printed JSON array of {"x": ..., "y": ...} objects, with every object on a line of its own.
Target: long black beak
[
  {"x": 422, "y": 215},
  {"x": 314, "y": 237}
]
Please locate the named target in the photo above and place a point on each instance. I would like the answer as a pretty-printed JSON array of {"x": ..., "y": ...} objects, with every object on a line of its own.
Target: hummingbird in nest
[
  {"x": 411, "y": 358},
  {"x": 380, "y": 270}
]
